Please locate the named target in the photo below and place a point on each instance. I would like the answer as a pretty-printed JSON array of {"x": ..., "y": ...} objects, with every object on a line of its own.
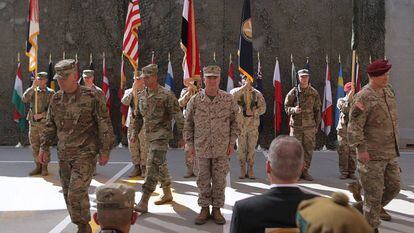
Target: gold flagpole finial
[
  {"x": 214, "y": 56},
  {"x": 90, "y": 58},
  {"x": 169, "y": 56},
  {"x": 357, "y": 58},
  {"x": 64, "y": 55},
  {"x": 258, "y": 55},
  {"x": 50, "y": 57},
  {"x": 103, "y": 54},
  {"x": 385, "y": 57},
  {"x": 307, "y": 59},
  {"x": 277, "y": 59},
  {"x": 230, "y": 57},
  {"x": 76, "y": 57},
  {"x": 18, "y": 57},
  {"x": 339, "y": 58},
  {"x": 291, "y": 58},
  {"x": 327, "y": 60},
  {"x": 370, "y": 59}
]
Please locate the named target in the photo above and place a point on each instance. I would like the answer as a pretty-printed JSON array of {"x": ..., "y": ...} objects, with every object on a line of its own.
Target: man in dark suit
[{"x": 276, "y": 208}]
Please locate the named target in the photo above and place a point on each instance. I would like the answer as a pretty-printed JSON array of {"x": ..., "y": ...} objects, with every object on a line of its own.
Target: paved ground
[{"x": 35, "y": 204}]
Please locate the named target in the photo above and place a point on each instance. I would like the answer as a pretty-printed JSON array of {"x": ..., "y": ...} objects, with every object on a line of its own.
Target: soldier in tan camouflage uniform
[
  {"x": 251, "y": 106},
  {"x": 158, "y": 106},
  {"x": 373, "y": 130},
  {"x": 138, "y": 146},
  {"x": 305, "y": 117},
  {"x": 346, "y": 153},
  {"x": 89, "y": 77},
  {"x": 79, "y": 118},
  {"x": 37, "y": 117},
  {"x": 210, "y": 131}
]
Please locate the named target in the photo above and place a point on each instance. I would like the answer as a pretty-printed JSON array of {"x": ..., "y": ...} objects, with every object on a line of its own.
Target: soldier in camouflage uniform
[
  {"x": 89, "y": 77},
  {"x": 210, "y": 131},
  {"x": 373, "y": 130},
  {"x": 137, "y": 144},
  {"x": 303, "y": 105},
  {"x": 37, "y": 117},
  {"x": 346, "y": 153},
  {"x": 79, "y": 118},
  {"x": 157, "y": 106},
  {"x": 251, "y": 106}
]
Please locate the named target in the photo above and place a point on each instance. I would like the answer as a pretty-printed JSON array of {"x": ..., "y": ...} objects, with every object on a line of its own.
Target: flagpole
[
  {"x": 64, "y": 55},
  {"x": 18, "y": 57},
  {"x": 90, "y": 58}
]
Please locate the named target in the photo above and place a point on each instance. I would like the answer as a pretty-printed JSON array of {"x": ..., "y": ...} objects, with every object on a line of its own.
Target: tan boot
[
  {"x": 44, "y": 170},
  {"x": 217, "y": 216},
  {"x": 84, "y": 228},
  {"x": 143, "y": 171},
  {"x": 136, "y": 171},
  {"x": 37, "y": 170},
  {"x": 306, "y": 176},
  {"x": 250, "y": 172},
  {"x": 384, "y": 215},
  {"x": 142, "y": 206},
  {"x": 202, "y": 216},
  {"x": 355, "y": 189},
  {"x": 242, "y": 171},
  {"x": 166, "y": 197},
  {"x": 189, "y": 173}
]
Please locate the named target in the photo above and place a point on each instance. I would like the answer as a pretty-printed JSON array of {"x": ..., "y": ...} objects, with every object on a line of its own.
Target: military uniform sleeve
[
  {"x": 127, "y": 98},
  {"x": 357, "y": 120},
  {"x": 188, "y": 131},
  {"x": 237, "y": 93},
  {"x": 49, "y": 133},
  {"x": 176, "y": 113},
  {"x": 234, "y": 125},
  {"x": 317, "y": 110},
  {"x": 105, "y": 131},
  {"x": 289, "y": 102},
  {"x": 27, "y": 95},
  {"x": 185, "y": 96},
  {"x": 138, "y": 122},
  {"x": 261, "y": 104},
  {"x": 343, "y": 105}
]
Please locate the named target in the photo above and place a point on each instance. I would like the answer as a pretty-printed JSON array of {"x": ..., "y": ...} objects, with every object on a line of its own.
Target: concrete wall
[{"x": 399, "y": 49}]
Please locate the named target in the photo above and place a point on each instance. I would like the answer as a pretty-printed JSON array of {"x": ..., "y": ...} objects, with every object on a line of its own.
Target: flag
[
  {"x": 32, "y": 33},
  {"x": 278, "y": 99},
  {"x": 230, "y": 76},
  {"x": 130, "y": 41},
  {"x": 259, "y": 87},
  {"x": 307, "y": 66},
  {"x": 245, "y": 44},
  {"x": 50, "y": 74},
  {"x": 294, "y": 80},
  {"x": 105, "y": 86},
  {"x": 153, "y": 59},
  {"x": 327, "y": 103},
  {"x": 19, "y": 109},
  {"x": 169, "y": 79},
  {"x": 122, "y": 87},
  {"x": 358, "y": 77},
  {"x": 340, "y": 93},
  {"x": 355, "y": 25},
  {"x": 189, "y": 43},
  {"x": 91, "y": 66}
]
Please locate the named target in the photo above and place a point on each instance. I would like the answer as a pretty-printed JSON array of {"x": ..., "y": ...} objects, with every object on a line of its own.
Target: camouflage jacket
[
  {"x": 343, "y": 104},
  {"x": 258, "y": 104},
  {"x": 310, "y": 103},
  {"x": 157, "y": 108},
  {"x": 185, "y": 96},
  {"x": 43, "y": 101},
  {"x": 128, "y": 100},
  {"x": 211, "y": 126},
  {"x": 373, "y": 125},
  {"x": 81, "y": 123}
]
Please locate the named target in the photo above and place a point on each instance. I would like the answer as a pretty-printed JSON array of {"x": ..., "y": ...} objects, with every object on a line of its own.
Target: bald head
[{"x": 286, "y": 158}]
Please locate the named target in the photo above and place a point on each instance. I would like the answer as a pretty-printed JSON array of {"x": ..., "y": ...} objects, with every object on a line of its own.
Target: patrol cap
[
  {"x": 63, "y": 68},
  {"x": 347, "y": 86},
  {"x": 333, "y": 215},
  {"x": 212, "y": 70},
  {"x": 303, "y": 72},
  {"x": 41, "y": 75},
  {"x": 114, "y": 197},
  {"x": 88, "y": 73},
  {"x": 378, "y": 68},
  {"x": 149, "y": 70}
]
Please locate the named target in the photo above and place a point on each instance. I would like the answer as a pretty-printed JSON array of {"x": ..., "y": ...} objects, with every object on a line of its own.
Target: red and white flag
[
  {"x": 105, "y": 86},
  {"x": 278, "y": 99},
  {"x": 230, "y": 76},
  {"x": 130, "y": 42},
  {"x": 327, "y": 117},
  {"x": 32, "y": 33}
]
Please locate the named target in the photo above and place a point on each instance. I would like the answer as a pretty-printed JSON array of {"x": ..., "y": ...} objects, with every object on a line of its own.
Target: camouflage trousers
[
  {"x": 211, "y": 181},
  {"x": 347, "y": 156},
  {"x": 75, "y": 176},
  {"x": 34, "y": 138},
  {"x": 139, "y": 149},
  {"x": 380, "y": 182},
  {"x": 157, "y": 169},
  {"x": 246, "y": 145},
  {"x": 307, "y": 138},
  {"x": 191, "y": 162}
]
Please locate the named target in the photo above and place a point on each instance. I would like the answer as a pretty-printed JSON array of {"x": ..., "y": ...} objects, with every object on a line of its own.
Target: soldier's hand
[
  {"x": 297, "y": 110},
  {"x": 103, "y": 159},
  {"x": 42, "y": 157},
  {"x": 191, "y": 151},
  {"x": 38, "y": 116},
  {"x": 35, "y": 83},
  {"x": 133, "y": 139},
  {"x": 363, "y": 157},
  {"x": 230, "y": 150}
]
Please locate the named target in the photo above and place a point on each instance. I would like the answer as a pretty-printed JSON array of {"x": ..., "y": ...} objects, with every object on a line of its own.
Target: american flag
[
  {"x": 105, "y": 86},
  {"x": 130, "y": 42}
]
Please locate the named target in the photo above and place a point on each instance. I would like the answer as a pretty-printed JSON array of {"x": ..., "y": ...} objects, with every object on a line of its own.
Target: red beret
[
  {"x": 378, "y": 68},
  {"x": 347, "y": 86}
]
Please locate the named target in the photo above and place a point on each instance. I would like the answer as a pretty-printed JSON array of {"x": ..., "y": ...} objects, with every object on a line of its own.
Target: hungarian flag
[
  {"x": 122, "y": 87},
  {"x": 340, "y": 93},
  {"x": 32, "y": 34},
  {"x": 278, "y": 99},
  {"x": 130, "y": 41},
  {"x": 105, "y": 86},
  {"x": 230, "y": 76},
  {"x": 189, "y": 43},
  {"x": 19, "y": 110},
  {"x": 327, "y": 103},
  {"x": 245, "y": 44},
  {"x": 50, "y": 74},
  {"x": 169, "y": 79}
]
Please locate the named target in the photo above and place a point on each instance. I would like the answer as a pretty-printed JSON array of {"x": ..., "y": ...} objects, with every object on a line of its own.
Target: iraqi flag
[
  {"x": 327, "y": 103},
  {"x": 278, "y": 99}
]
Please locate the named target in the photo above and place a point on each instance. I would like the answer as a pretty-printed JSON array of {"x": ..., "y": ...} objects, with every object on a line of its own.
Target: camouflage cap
[
  {"x": 212, "y": 70},
  {"x": 115, "y": 196},
  {"x": 303, "y": 72},
  {"x": 41, "y": 75},
  {"x": 63, "y": 68},
  {"x": 149, "y": 71},
  {"x": 88, "y": 73},
  {"x": 330, "y": 214}
]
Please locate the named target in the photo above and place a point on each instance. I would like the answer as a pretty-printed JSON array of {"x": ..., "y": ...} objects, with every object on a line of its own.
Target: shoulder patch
[{"x": 358, "y": 109}]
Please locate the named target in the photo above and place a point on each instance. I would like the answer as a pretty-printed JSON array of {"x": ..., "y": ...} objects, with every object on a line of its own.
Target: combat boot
[
  {"x": 37, "y": 170},
  {"x": 189, "y": 173},
  {"x": 143, "y": 171},
  {"x": 250, "y": 172},
  {"x": 355, "y": 189},
  {"x": 203, "y": 216},
  {"x": 242, "y": 171},
  {"x": 218, "y": 218},
  {"x": 84, "y": 228},
  {"x": 384, "y": 215},
  {"x": 142, "y": 206},
  {"x": 136, "y": 171},
  {"x": 306, "y": 176},
  {"x": 166, "y": 197},
  {"x": 376, "y": 230},
  {"x": 44, "y": 170},
  {"x": 352, "y": 176},
  {"x": 343, "y": 176}
]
